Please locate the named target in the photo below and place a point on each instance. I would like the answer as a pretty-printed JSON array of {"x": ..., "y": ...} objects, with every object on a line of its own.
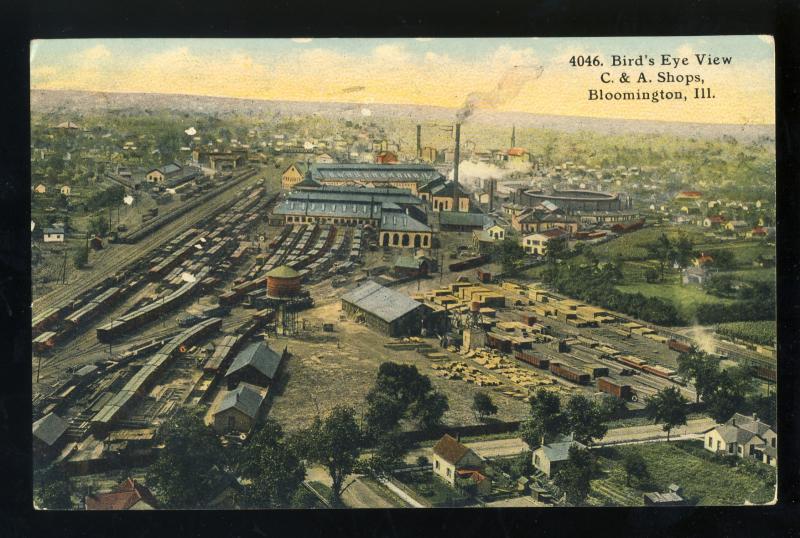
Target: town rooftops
[
  {"x": 259, "y": 356},
  {"x": 385, "y": 303},
  {"x": 123, "y": 497},
  {"x": 54, "y": 231},
  {"x": 49, "y": 428},
  {"x": 449, "y": 449},
  {"x": 245, "y": 398},
  {"x": 516, "y": 152},
  {"x": 553, "y": 233}
]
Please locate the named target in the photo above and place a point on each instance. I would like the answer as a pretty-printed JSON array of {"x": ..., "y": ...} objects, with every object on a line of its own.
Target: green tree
[
  {"x": 651, "y": 275},
  {"x": 667, "y": 406},
  {"x": 661, "y": 251},
  {"x": 401, "y": 392},
  {"x": 574, "y": 478},
  {"x": 701, "y": 369},
  {"x": 273, "y": 470},
  {"x": 723, "y": 259},
  {"x": 585, "y": 419},
  {"x": 483, "y": 406},
  {"x": 335, "y": 444},
  {"x": 547, "y": 420},
  {"x": 635, "y": 467},
  {"x": 729, "y": 393},
  {"x": 611, "y": 407},
  {"x": 99, "y": 225},
  {"x": 682, "y": 251},
  {"x": 81, "y": 256},
  {"x": 183, "y": 466},
  {"x": 509, "y": 253},
  {"x": 304, "y": 499},
  {"x": 557, "y": 249}
]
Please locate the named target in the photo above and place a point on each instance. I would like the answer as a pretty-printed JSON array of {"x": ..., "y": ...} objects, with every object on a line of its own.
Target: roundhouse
[{"x": 571, "y": 200}]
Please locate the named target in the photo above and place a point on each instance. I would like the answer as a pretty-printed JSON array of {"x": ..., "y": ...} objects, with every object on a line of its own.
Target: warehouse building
[
  {"x": 383, "y": 309},
  {"x": 238, "y": 409},
  {"x": 401, "y": 176}
]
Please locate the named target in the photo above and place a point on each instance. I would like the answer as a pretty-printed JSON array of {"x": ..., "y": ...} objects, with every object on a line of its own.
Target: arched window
[
  {"x": 416, "y": 241},
  {"x": 385, "y": 240},
  {"x": 405, "y": 240},
  {"x": 396, "y": 239},
  {"x": 425, "y": 240}
]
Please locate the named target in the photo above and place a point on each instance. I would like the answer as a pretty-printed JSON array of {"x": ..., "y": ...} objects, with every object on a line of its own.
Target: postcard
[{"x": 403, "y": 273}]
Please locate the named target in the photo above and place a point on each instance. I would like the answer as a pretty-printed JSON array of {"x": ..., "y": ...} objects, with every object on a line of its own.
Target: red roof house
[{"x": 130, "y": 495}]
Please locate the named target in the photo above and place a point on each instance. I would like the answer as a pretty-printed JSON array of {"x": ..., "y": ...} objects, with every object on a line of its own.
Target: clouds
[{"x": 437, "y": 72}]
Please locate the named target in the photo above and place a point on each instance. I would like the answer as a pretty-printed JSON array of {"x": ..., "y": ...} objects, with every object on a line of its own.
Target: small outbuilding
[
  {"x": 238, "y": 409},
  {"x": 53, "y": 235},
  {"x": 256, "y": 364},
  {"x": 549, "y": 458}
]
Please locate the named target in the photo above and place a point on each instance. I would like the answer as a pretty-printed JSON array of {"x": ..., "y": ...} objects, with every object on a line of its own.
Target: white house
[
  {"x": 743, "y": 436},
  {"x": 66, "y": 190},
  {"x": 495, "y": 231},
  {"x": 550, "y": 457},
  {"x": 536, "y": 243},
  {"x": 41, "y": 188},
  {"x": 53, "y": 235},
  {"x": 451, "y": 459}
]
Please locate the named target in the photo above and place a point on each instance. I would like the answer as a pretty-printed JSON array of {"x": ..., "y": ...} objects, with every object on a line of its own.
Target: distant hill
[{"x": 64, "y": 101}]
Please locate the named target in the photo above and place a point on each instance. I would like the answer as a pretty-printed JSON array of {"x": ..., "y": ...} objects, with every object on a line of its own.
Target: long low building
[
  {"x": 401, "y": 176},
  {"x": 384, "y": 309}
]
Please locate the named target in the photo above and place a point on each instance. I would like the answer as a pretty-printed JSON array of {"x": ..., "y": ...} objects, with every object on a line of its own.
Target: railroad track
[{"x": 120, "y": 256}]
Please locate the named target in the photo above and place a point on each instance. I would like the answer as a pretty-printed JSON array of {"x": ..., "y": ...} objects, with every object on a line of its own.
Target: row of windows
[{"x": 404, "y": 240}]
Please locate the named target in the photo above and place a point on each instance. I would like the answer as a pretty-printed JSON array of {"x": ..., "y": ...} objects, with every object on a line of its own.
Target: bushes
[{"x": 758, "y": 332}]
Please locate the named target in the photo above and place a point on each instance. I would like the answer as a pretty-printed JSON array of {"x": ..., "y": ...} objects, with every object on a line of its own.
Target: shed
[
  {"x": 48, "y": 432},
  {"x": 256, "y": 364},
  {"x": 238, "y": 409},
  {"x": 548, "y": 458}
]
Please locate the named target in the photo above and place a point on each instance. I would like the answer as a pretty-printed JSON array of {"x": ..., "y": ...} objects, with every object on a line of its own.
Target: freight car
[
  {"x": 767, "y": 373},
  {"x": 622, "y": 392},
  {"x": 532, "y": 359},
  {"x": 91, "y": 309},
  {"x": 569, "y": 373},
  {"x": 469, "y": 263},
  {"x": 659, "y": 371},
  {"x": 45, "y": 320},
  {"x": 678, "y": 346}
]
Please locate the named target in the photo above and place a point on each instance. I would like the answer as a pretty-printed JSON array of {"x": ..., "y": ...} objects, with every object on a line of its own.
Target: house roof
[
  {"x": 122, "y": 497},
  {"x": 259, "y": 356},
  {"x": 385, "y": 303},
  {"x": 749, "y": 423},
  {"x": 559, "y": 451},
  {"x": 50, "y": 231},
  {"x": 449, "y": 449},
  {"x": 408, "y": 261},
  {"x": 669, "y": 497},
  {"x": 49, "y": 428},
  {"x": 516, "y": 152},
  {"x": 245, "y": 398},
  {"x": 301, "y": 167}
]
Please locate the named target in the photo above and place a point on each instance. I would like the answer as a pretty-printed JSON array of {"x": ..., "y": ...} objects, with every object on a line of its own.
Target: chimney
[
  {"x": 491, "y": 194},
  {"x": 419, "y": 141},
  {"x": 456, "y": 159},
  {"x": 513, "y": 136}
]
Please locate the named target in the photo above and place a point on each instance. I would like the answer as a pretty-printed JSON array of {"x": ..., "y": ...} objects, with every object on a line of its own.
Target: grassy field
[
  {"x": 704, "y": 482},
  {"x": 632, "y": 246},
  {"x": 686, "y": 298}
]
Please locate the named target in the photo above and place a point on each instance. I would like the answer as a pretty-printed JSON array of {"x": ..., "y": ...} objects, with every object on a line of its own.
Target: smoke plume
[{"x": 509, "y": 86}]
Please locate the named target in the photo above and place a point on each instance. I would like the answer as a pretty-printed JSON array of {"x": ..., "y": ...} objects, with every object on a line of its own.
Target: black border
[{"x": 284, "y": 18}]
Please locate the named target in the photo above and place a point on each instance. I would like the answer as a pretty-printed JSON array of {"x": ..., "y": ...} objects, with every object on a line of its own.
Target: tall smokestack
[
  {"x": 419, "y": 141},
  {"x": 513, "y": 136},
  {"x": 491, "y": 194},
  {"x": 456, "y": 159}
]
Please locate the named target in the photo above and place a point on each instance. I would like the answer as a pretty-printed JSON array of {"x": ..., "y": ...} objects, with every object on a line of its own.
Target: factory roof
[
  {"x": 458, "y": 218},
  {"x": 245, "y": 398},
  {"x": 385, "y": 303},
  {"x": 373, "y": 172},
  {"x": 402, "y": 223},
  {"x": 49, "y": 428},
  {"x": 283, "y": 271},
  {"x": 355, "y": 193},
  {"x": 259, "y": 356},
  {"x": 352, "y": 209}
]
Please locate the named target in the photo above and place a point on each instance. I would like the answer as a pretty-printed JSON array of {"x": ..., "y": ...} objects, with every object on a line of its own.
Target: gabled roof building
[{"x": 384, "y": 309}]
